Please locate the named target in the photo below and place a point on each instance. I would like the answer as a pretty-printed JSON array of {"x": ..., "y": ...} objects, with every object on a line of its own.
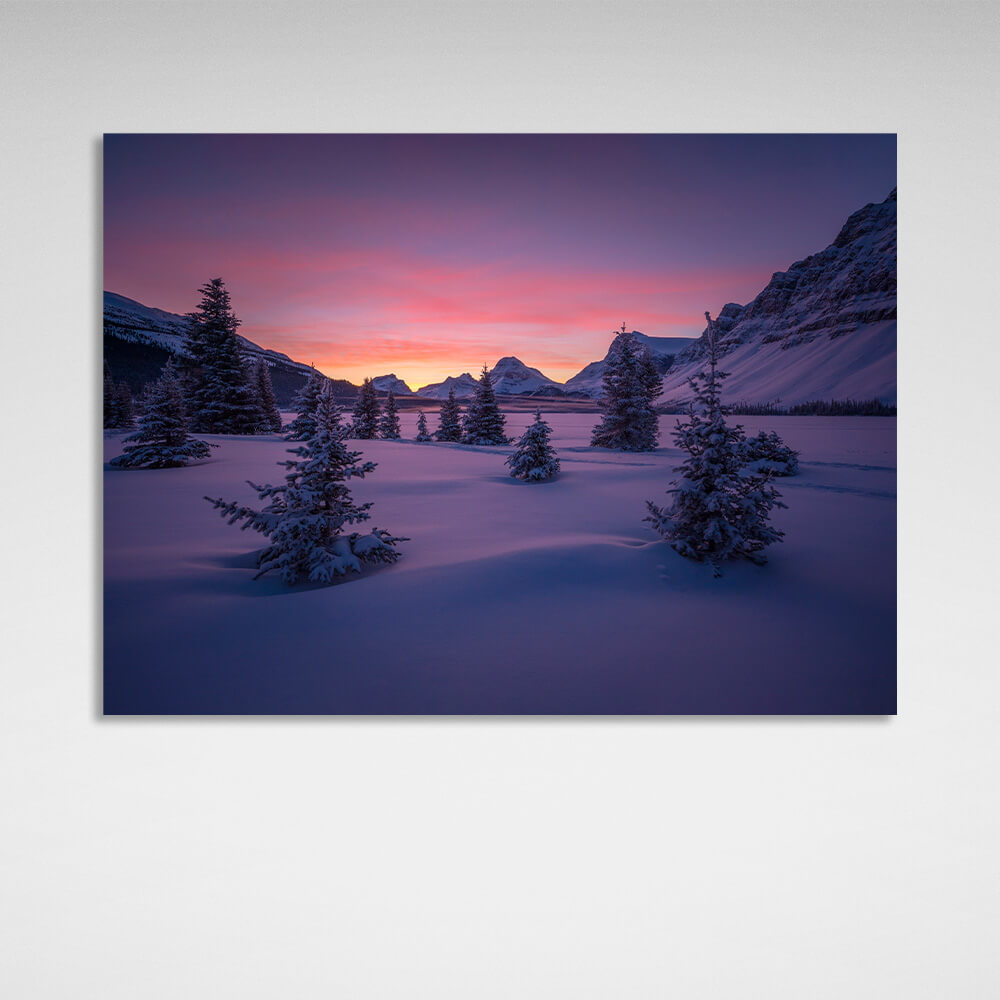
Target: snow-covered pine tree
[
  {"x": 721, "y": 509},
  {"x": 484, "y": 423},
  {"x": 768, "y": 453},
  {"x": 162, "y": 440},
  {"x": 222, "y": 398},
  {"x": 367, "y": 412},
  {"x": 631, "y": 384},
  {"x": 267, "y": 402},
  {"x": 305, "y": 518},
  {"x": 389, "y": 424},
  {"x": 305, "y": 403},
  {"x": 119, "y": 412},
  {"x": 449, "y": 419},
  {"x": 422, "y": 433},
  {"x": 534, "y": 459}
]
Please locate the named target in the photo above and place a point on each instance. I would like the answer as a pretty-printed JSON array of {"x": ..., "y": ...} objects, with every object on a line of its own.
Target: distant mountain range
[{"x": 823, "y": 329}]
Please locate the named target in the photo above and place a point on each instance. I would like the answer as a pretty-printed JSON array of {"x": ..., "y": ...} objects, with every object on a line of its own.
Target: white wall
[{"x": 498, "y": 858}]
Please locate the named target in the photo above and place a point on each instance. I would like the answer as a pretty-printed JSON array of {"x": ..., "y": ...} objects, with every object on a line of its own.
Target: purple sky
[{"x": 429, "y": 255}]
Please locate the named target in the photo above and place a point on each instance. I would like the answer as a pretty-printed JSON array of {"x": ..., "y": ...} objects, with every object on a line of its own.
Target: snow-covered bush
[
  {"x": 305, "y": 518},
  {"x": 306, "y": 400},
  {"x": 367, "y": 412},
  {"x": 534, "y": 459},
  {"x": 721, "y": 508},
  {"x": 267, "y": 402},
  {"x": 484, "y": 423},
  {"x": 422, "y": 433},
  {"x": 161, "y": 440},
  {"x": 631, "y": 384},
  {"x": 768, "y": 453},
  {"x": 449, "y": 419},
  {"x": 389, "y": 424},
  {"x": 221, "y": 397}
]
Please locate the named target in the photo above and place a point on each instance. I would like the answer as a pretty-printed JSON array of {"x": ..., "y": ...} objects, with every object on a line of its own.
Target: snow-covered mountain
[
  {"x": 386, "y": 382},
  {"x": 464, "y": 384},
  {"x": 664, "y": 350},
  {"x": 138, "y": 339},
  {"x": 512, "y": 377},
  {"x": 823, "y": 329}
]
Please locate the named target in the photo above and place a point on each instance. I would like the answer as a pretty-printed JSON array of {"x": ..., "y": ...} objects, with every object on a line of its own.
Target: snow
[
  {"x": 858, "y": 365},
  {"x": 509, "y": 597}
]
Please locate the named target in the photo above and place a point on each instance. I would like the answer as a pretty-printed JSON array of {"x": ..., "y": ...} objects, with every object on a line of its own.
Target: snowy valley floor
[{"x": 510, "y": 598}]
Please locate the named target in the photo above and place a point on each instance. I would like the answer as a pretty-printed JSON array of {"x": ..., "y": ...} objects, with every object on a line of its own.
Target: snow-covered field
[{"x": 510, "y": 597}]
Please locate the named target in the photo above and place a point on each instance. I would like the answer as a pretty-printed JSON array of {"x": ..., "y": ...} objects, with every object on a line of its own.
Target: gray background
[{"x": 498, "y": 858}]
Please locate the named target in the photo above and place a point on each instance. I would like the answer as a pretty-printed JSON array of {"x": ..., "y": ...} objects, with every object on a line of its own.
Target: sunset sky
[{"x": 429, "y": 255}]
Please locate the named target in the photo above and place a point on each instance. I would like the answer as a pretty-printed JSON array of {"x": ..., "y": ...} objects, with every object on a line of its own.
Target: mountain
[
  {"x": 588, "y": 382},
  {"x": 512, "y": 377},
  {"x": 138, "y": 339},
  {"x": 386, "y": 382},
  {"x": 823, "y": 329},
  {"x": 465, "y": 386}
]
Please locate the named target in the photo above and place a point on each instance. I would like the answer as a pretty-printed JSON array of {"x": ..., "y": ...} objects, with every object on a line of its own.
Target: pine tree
[
  {"x": 305, "y": 402},
  {"x": 267, "y": 402},
  {"x": 484, "y": 423},
  {"x": 534, "y": 459},
  {"x": 222, "y": 399},
  {"x": 389, "y": 424},
  {"x": 768, "y": 453},
  {"x": 631, "y": 384},
  {"x": 304, "y": 519},
  {"x": 367, "y": 412},
  {"x": 162, "y": 440},
  {"x": 721, "y": 509},
  {"x": 449, "y": 419},
  {"x": 118, "y": 407},
  {"x": 422, "y": 432}
]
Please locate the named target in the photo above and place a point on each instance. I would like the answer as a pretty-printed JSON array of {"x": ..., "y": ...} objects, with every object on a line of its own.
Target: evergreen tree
[
  {"x": 721, "y": 509},
  {"x": 162, "y": 440},
  {"x": 389, "y": 424},
  {"x": 222, "y": 399},
  {"x": 484, "y": 423},
  {"x": 304, "y": 519},
  {"x": 367, "y": 412},
  {"x": 267, "y": 402},
  {"x": 118, "y": 408},
  {"x": 422, "y": 432},
  {"x": 449, "y": 419},
  {"x": 768, "y": 453},
  {"x": 305, "y": 402},
  {"x": 631, "y": 384},
  {"x": 534, "y": 458}
]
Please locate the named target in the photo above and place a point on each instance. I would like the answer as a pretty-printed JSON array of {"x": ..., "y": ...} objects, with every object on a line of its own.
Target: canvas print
[{"x": 499, "y": 424}]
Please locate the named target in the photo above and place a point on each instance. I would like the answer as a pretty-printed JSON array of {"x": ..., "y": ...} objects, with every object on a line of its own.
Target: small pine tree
[
  {"x": 305, "y": 518},
  {"x": 162, "y": 440},
  {"x": 631, "y": 384},
  {"x": 449, "y": 419},
  {"x": 367, "y": 412},
  {"x": 267, "y": 402},
  {"x": 484, "y": 423},
  {"x": 534, "y": 459},
  {"x": 389, "y": 424},
  {"x": 422, "y": 432},
  {"x": 222, "y": 398},
  {"x": 721, "y": 509},
  {"x": 768, "y": 453},
  {"x": 119, "y": 411},
  {"x": 305, "y": 403}
]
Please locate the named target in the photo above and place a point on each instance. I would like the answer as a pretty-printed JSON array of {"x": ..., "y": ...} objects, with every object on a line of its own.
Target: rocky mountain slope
[
  {"x": 825, "y": 328},
  {"x": 386, "y": 382},
  {"x": 588, "y": 382}
]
